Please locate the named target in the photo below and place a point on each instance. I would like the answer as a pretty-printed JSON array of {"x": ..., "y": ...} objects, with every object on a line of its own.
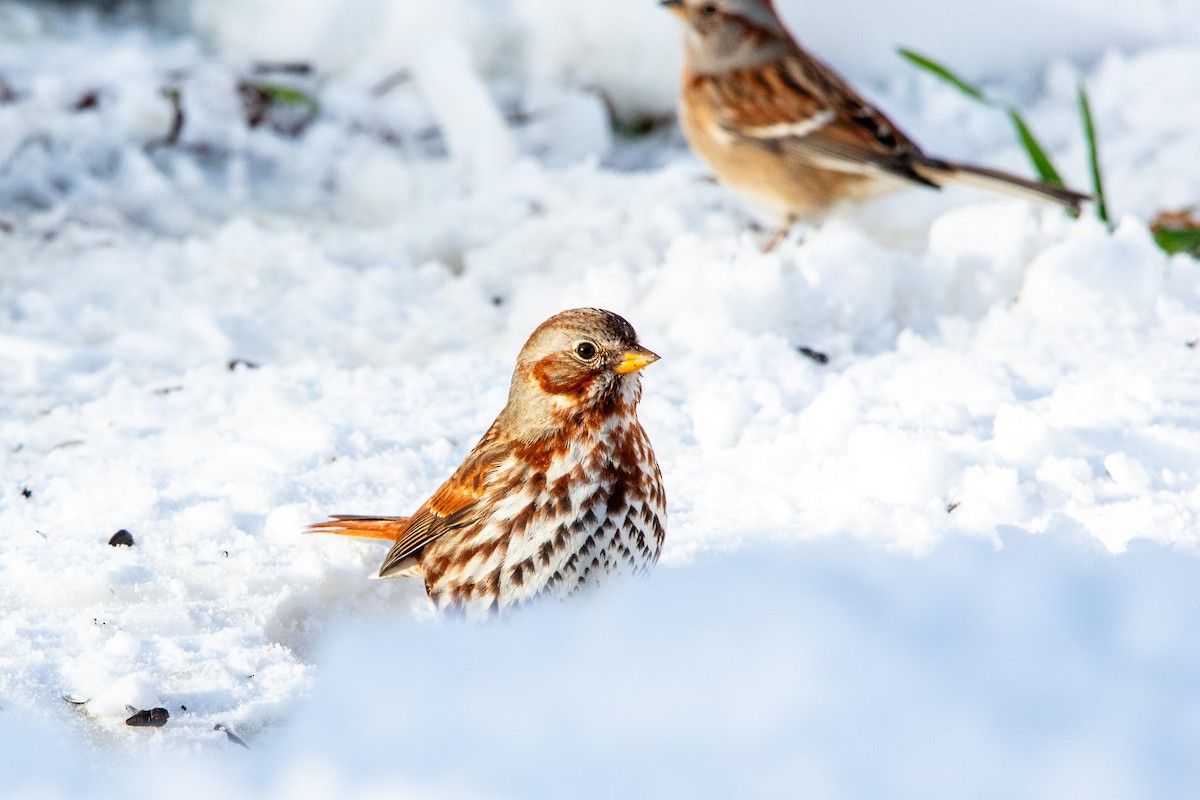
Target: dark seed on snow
[
  {"x": 154, "y": 718},
  {"x": 815, "y": 355},
  {"x": 121, "y": 538},
  {"x": 87, "y": 100},
  {"x": 241, "y": 362}
]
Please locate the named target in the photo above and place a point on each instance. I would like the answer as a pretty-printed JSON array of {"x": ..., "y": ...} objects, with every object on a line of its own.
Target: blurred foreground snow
[{"x": 1043, "y": 670}]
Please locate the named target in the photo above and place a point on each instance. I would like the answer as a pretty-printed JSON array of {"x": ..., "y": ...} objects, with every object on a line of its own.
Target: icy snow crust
[{"x": 958, "y": 559}]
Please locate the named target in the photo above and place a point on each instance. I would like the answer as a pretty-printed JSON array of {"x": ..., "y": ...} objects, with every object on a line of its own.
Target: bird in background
[
  {"x": 561, "y": 494},
  {"x": 778, "y": 125}
]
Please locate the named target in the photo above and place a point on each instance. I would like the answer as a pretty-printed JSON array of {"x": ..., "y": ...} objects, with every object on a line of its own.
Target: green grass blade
[
  {"x": 1173, "y": 240},
  {"x": 1089, "y": 133},
  {"x": 934, "y": 68},
  {"x": 288, "y": 95},
  {"x": 1037, "y": 156},
  {"x": 1042, "y": 164}
]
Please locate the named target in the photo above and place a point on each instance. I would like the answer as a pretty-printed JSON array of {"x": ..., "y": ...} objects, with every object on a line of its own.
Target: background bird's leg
[{"x": 784, "y": 226}]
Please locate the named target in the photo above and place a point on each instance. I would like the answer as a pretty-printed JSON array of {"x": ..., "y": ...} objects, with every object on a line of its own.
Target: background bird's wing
[{"x": 801, "y": 105}]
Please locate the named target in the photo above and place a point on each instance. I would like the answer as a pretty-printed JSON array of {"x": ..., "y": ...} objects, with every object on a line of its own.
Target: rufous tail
[
  {"x": 383, "y": 528},
  {"x": 994, "y": 180}
]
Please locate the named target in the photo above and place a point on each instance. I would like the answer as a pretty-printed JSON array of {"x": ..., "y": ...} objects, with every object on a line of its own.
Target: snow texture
[{"x": 959, "y": 558}]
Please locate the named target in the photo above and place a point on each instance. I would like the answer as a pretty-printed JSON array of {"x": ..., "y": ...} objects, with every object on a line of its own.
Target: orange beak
[
  {"x": 675, "y": 7},
  {"x": 636, "y": 359}
]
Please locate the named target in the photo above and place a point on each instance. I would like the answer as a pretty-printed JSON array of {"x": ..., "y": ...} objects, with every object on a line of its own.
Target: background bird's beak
[
  {"x": 636, "y": 359},
  {"x": 675, "y": 7}
]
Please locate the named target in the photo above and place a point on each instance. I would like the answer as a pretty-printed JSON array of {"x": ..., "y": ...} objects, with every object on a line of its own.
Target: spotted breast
[{"x": 562, "y": 493}]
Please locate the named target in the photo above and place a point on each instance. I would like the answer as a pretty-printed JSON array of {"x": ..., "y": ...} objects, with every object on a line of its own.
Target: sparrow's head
[
  {"x": 581, "y": 362},
  {"x": 721, "y": 35}
]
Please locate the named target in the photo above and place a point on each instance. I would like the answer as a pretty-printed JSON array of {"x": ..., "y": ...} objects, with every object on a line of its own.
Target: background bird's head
[
  {"x": 721, "y": 35},
  {"x": 578, "y": 363}
]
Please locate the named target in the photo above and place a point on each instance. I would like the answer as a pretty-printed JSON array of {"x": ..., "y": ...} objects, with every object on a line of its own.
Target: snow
[
  {"x": 957, "y": 559},
  {"x": 476, "y": 135}
]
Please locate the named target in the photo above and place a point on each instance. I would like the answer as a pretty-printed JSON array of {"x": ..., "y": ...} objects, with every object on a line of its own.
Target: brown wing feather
[
  {"x": 452, "y": 506},
  {"x": 837, "y": 127},
  {"x": 761, "y": 97}
]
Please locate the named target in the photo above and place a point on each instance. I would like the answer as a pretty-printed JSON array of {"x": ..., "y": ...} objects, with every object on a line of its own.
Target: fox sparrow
[{"x": 562, "y": 493}]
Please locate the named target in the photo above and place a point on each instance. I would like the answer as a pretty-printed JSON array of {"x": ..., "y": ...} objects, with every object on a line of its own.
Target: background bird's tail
[
  {"x": 994, "y": 180},
  {"x": 384, "y": 528}
]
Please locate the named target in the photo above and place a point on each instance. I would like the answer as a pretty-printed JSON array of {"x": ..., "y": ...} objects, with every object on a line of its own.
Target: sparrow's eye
[
  {"x": 709, "y": 10},
  {"x": 585, "y": 350}
]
